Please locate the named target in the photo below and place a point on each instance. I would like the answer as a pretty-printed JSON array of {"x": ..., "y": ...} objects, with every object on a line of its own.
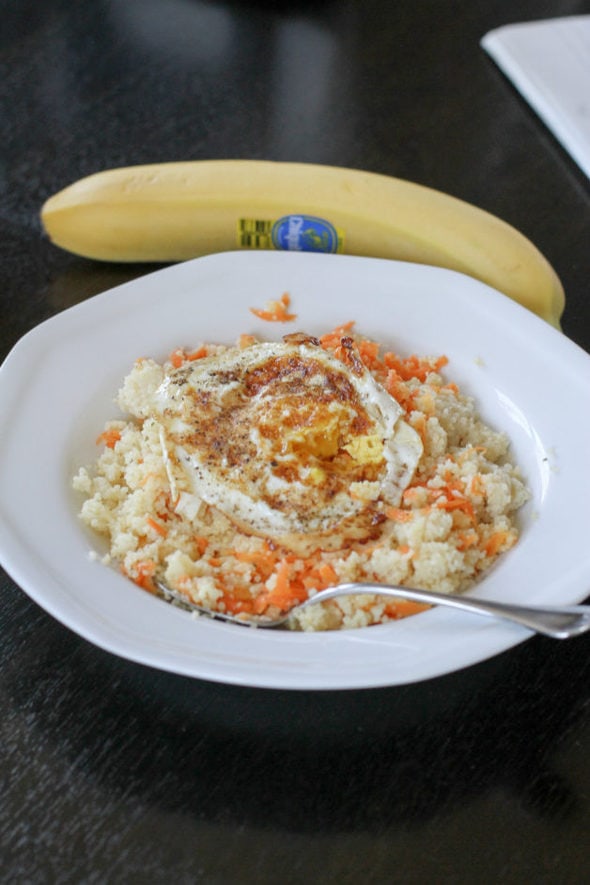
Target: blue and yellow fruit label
[{"x": 293, "y": 233}]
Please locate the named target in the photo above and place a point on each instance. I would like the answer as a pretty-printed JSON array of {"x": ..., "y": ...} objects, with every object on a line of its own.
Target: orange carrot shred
[
  {"x": 157, "y": 527},
  {"x": 404, "y": 608},
  {"x": 143, "y": 573},
  {"x": 201, "y": 543},
  {"x": 331, "y": 340},
  {"x": 477, "y": 487},
  {"x": 180, "y": 356},
  {"x": 398, "y": 514},
  {"x": 467, "y": 540},
  {"x": 177, "y": 357},
  {"x": 286, "y": 592},
  {"x": 327, "y": 573},
  {"x": 495, "y": 542},
  {"x": 109, "y": 438},
  {"x": 276, "y": 311},
  {"x": 197, "y": 354}
]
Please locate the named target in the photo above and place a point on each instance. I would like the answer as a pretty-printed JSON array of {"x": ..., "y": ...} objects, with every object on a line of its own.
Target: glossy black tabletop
[{"x": 113, "y": 772}]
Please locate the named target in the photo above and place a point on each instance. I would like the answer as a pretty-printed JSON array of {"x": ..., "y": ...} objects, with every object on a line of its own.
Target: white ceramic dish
[{"x": 57, "y": 388}]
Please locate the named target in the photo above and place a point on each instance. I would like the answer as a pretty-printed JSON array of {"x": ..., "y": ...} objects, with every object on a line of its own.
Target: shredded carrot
[
  {"x": 276, "y": 311},
  {"x": 327, "y": 573},
  {"x": 237, "y": 604},
  {"x": 458, "y": 503},
  {"x": 404, "y": 608},
  {"x": 419, "y": 425},
  {"x": 499, "y": 539},
  {"x": 454, "y": 483},
  {"x": 177, "y": 357},
  {"x": 201, "y": 543},
  {"x": 197, "y": 354},
  {"x": 157, "y": 527},
  {"x": 109, "y": 438},
  {"x": 281, "y": 587},
  {"x": 467, "y": 452},
  {"x": 398, "y": 514},
  {"x": 414, "y": 366},
  {"x": 332, "y": 340},
  {"x": 308, "y": 574},
  {"x": 180, "y": 356},
  {"x": 467, "y": 540},
  {"x": 369, "y": 353},
  {"x": 143, "y": 573},
  {"x": 400, "y": 391},
  {"x": 412, "y": 492},
  {"x": 426, "y": 403},
  {"x": 263, "y": 561},
  {"x": 245, "y": 341},
  {"x": 477, "y": 487},
  {"x": 287, "y": 591},
  {"x": 318, "y": 577}
]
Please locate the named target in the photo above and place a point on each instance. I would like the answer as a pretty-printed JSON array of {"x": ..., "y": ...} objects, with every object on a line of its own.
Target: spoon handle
[{"x": 556, "y": 622}]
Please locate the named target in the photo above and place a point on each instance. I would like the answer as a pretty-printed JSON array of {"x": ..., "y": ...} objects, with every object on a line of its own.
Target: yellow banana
[{"x": 176, "y": 211}]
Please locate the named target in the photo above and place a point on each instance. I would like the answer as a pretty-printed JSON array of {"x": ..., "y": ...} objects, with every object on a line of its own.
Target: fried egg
[{"x": 288, "y": 441}]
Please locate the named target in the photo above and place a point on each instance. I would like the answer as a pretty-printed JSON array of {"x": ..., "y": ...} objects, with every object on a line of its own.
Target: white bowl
[{"x": 57, "y": 388}]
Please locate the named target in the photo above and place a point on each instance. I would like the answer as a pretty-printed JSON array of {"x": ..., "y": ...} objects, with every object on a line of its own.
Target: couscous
[{"x": 415, "y": 491}]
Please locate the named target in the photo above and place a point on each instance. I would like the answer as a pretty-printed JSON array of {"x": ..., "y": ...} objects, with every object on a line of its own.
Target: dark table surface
[{"x": 111, "y": 771}]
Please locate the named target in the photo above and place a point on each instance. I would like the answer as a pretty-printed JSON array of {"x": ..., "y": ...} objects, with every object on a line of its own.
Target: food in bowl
[{"x": 249, "y": 477}]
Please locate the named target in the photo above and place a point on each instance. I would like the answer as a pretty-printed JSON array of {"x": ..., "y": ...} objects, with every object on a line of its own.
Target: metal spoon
[{"x": 558, "y": 622}]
